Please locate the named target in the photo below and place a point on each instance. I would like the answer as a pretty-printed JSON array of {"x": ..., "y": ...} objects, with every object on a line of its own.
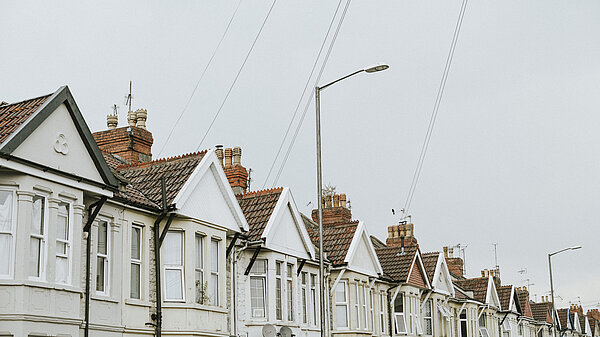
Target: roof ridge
[
  {"x": 430, "y": 253},
  {"x": 26, "y": 100},
  {"x": 162, "y": 160},
  {"x": 262, "y": 192}
]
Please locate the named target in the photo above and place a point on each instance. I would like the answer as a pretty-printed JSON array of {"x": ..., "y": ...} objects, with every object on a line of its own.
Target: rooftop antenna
[
  {"x": 462, "y": 254},
  {"x": 115, "y": 109},
  {"x": 129, "y": 97},
  {"x": 496, "y": 256},
  {"x": 249, "y": 178}
]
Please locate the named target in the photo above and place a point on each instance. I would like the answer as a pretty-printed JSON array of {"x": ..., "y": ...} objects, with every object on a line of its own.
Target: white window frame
[
  {"x": 176, "y": 267},
  {"x": 215, "y": 273},
  {"x": 314, "y": 298},
  {"x": 304, "y": 296},
  {"x": 415, "y": 315},
  {"x": 133, "y": 261},
  {"x": 254, "y": 275},
  {"x": 105, "y": 257},
  {"x": 289, "y": 271},
  {"x": 357, "y": 306},
  {"x": 382, "y": 312},
  {"x": 363, "y": 306},
  {"x": 372, "y": 309},
  {"x": 400, "y": 315},
  {"x": 11, "y": 233},
  {"x": 483, "y": 331},
  {"x": 67, "y": 242},
  {"x": 465, "y": 320},
  {"x": 43, "y": 239},
  {"x": 279, "y": 266},
  {"x": 345, "y": 303},
  {"x": 199, "y": 267},
  {"x": 426, "y": 317}
]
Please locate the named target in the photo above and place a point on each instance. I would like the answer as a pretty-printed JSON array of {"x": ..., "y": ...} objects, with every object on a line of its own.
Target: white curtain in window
[
  {"x": 172, "y": 252},
  {"x": 173, "y": 264},
  {"x": 214, "y": 272},
  {"x": 174, "y": 290},
  {"x": 341, "y": 305},
  {"x": 6, "y": 220}
]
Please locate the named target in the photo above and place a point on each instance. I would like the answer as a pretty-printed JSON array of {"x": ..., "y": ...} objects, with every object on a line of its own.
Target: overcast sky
[{"x": 514, "y": 157}]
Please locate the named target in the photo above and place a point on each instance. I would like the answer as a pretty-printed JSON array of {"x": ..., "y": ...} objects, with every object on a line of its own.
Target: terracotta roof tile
[
  {"x": 430, "y": 262},
  {"x": 504, "y": 293},
  {"x": 524, "y": 302},
  {"x": 258, "y": 207},
  {"x": 395, "y": 263},
  {"x": 336, "y": 239},
  {"x": 477, "y": 285},
  {"x": 146, "y": 177},
  {"x": 12, "y": 116},
  {"x": 541, "y": 311},
  {"x": 562, "y": 317}
]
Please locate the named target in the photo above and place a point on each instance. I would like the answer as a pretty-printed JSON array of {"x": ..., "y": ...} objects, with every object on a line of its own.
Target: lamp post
[
  {"x": 320, "y": 184},
  {"x": 552, "y": 285}
]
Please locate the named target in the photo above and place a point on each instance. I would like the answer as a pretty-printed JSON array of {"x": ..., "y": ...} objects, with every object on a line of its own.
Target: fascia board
[
  {"x": 422, "y": 267},
  {"x": 361, "y": 271},
  {"x": 210, "y": 159}
]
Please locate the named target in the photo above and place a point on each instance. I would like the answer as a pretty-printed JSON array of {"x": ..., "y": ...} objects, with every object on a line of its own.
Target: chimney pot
[
  {"x": 132, "y": 118},
  {"x": 336, "y": 200},
  {"x": 140, "y": 116},
  {"x": 228, "y": 154},
  {"x": 343, "y": 200},
  {"x": 327, "y": 201},
  {"x": 219, "y": 152},
  {"x": 451, "y": 252},
  {"x": 483, "y": 273},
  {"x": 446, "y": 251},
  {"x": 112, "y": 121},
  {"x": 237, "y": 155}
]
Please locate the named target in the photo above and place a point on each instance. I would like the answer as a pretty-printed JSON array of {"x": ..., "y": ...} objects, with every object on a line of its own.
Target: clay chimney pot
[
  {"x": 140, "y": 116},
  {"x": 237, "y": 155},
  {"x": 219, "y": 153},
  {"x": 228, "y": 154},
  {"x": 132, "y": 119},
  {"x": 343, "y": 200},
  {"x": 336, "y": 200},
  {"x": 112, "y": 121},
  {"x": 328, "y": 201}
]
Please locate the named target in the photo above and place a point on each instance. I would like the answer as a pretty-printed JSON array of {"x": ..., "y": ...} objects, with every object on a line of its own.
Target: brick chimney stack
[
  {"x": 397, "y": 232},
  {"x": 132, "y": 143},
  {"x": 455, "y": 264},
  {"x": 335, "y": 211},
  {"x": 235, "y": 172}
]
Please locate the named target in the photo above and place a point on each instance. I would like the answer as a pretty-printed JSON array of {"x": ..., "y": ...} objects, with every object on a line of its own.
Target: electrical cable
[
  {"x": 237, "y": 75},
  {"x": 200, "y": 79},
  {"x": 436, "y": 107},
  {"x": 303, "y": 93},
  {"x": 335, "y": 35}
]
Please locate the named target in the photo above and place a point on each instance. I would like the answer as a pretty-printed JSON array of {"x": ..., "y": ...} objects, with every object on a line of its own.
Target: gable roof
[
  {"x": 563, "y": 314},
  {"x": 478, "y": 285},
  {"x": 505, "y": 294},
  {"x": 523, "y": 297},
  {"x": 336, "y": 239},
  {"x": 430, "y": 261},
  {"x": 257, "y": 208},
  {"x": 541, "y": 311},
  {"x": 362, "y": 236},
  {"x": 19, "y": 120},
  {"x": 398, "y": 264},
  {"x": 146, "y": 177}
]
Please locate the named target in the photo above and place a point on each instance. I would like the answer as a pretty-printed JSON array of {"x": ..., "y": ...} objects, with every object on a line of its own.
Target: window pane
[
  {"x": 278, "y": 298},
  {"x": 135, "y": 242},
  {"x": 100, "y": 274},
  {"x": 463, "y": 328},
  {"x": 173, "y": 284},
  {"x": 62, "y": 269},
  {"x": 340, "y": 292},
  {"x": 259, "y": 267},
  {"x": 400, "y": 324},
  {"x": 102, "y": 237},
  {"x": 201, "y": 294},
  {"x": 135, "y": 281},
  {"x": 399, "y": 303},
  {"x": 199, "y": 251},
  {"x": 34, "y": 256},
  {"x": 341, "y": 318},
  {"x": 5, "y": 252},
  {"x": 6, "y": 207},
  {"x": 257, "y": 296},
  {"x": 214, "y": 256},
  {"x": 214, "y": 285},
  {"x": 62, "y": 228},
  {"x": 61, "y": 248},
  {"x": 278, "y": 268},
  {"x": 37, "y": 215},
  {"x": 290, "y": 301},
  {"x": 172, "y": 251}
]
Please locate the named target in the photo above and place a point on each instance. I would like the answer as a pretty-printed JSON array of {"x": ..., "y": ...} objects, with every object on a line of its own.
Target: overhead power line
[
  {"x": 436, "y": 107},
  {"x": 200, "y": 79},
  {"x": 291, "y": 145},
  {"x": 237, "y": 75},
  {"x": 287, "y": 131}
]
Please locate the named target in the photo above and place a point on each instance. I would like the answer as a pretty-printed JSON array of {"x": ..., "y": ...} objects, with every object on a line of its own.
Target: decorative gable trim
[
  {"x": 361, "y": 233},
  {"x": 211, "y": 162},
  {"x": 61, "y": 96},
  {"x": 442, "y": 267},
  {"x": 492, "y": 293},
  {"x": 286, "y": 201}
]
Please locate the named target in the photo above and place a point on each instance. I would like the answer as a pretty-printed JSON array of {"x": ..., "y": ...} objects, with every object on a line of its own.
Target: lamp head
[{"x": 377, "y": 68}]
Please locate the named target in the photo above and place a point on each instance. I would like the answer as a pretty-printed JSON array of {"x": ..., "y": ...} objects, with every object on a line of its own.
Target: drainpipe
[
  {"x": 92, "y": 213},
  {"x": 158, "y": 314}
]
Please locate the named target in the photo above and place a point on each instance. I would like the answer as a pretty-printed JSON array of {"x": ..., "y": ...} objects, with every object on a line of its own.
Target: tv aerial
[{"x": 269, "y": 331}]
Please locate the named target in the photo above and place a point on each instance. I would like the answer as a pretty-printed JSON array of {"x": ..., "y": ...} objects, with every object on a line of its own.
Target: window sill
[
  {"x": 184, "y": 305},
  {"x": 104, "y": 298},
  {"x": 261, "y": 322},
  {"x": 41, "y": 284},
  {"x": 136, "y": 302}
]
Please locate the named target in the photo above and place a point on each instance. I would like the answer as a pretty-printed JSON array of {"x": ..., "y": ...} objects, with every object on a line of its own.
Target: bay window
[
  {"x": 37, "y": 238},
  {"x": 201, "y": 294},
  {"x": 136, "y": 262},
  {"x": 173, "y": 265},
  {"x": 290, "y": 291},
  {"x": 278, "y": 290},
  {"x": 399, "y": 316},
  {"x": 214, "y": 272},
  {"x": 483, "y": 332},
  {"x": 63, "y": 243},
  {"x": 341, "y": 304},
  {"x": 103, "y": 258},
  {"x": 7, "y": 229},
  {"x": 258, "y": 291}
]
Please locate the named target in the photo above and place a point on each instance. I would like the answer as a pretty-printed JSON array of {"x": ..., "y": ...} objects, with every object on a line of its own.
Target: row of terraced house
[{"x": 99, "y": 239}]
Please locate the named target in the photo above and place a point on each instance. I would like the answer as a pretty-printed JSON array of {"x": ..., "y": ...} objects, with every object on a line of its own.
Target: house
[
  {"x": 510, "y": 313},
  {"x": 594, "y": 317},
  {"x": 357, "y": 293},
  {"x": 542, "y": 315},
  {"x": 276, "y": 271},
  {"x": 442, "y": 290},
  {"x": 411, "y": 309}
]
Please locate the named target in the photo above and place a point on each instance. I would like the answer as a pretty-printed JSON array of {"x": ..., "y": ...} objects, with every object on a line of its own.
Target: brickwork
[
  {"x": 416, "y": 277},
  {"x": 133, "y": 143},
  {"x": 237, "y": 175},
  {"x": 396, "y": 233},
  {"x": 455, "y": 265}
]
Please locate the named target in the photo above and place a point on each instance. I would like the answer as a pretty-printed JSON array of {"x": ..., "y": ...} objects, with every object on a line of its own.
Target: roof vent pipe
[{"x": 402, "y": 244}]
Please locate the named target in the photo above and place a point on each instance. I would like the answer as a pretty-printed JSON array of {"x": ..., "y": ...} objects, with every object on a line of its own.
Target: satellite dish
[
  {"x": 285, "y": 332},
  {"x": 269, "y": 331}
]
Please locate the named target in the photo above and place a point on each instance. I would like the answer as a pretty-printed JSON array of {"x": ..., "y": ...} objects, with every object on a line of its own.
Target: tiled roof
[
  {"x": 376, "y": 242},
  {"x": 460, "y": 293},
  {"x": 477, "y": 285},
  {"x": 562, "y": 317},
  {"x": 336, "y": 239},
  {"x": 582, "y": 323},
  {"x": 524, "y": 302},
  {"x": 541, "y": 311},
  {"x": 430, "y": 262},
  {"x": 504, "y": 293},
  {"x": 395, "y": 263},
  {"x": 113, "y": 160},
  {"x": 258, "y": 208},
  {"x": 12, "y": 116},
  {"x": 146, "y": 176}
]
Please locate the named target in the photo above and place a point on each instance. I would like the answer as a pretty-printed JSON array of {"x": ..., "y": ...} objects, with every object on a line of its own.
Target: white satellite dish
[
  {"x": 285, "y": 332},
  {"x": 269, "y": 331}
]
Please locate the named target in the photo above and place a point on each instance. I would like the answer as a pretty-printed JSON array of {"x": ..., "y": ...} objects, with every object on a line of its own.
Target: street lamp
[
  {"x": 552, "y": 285},
  {"x": 320, "y": 183}
]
